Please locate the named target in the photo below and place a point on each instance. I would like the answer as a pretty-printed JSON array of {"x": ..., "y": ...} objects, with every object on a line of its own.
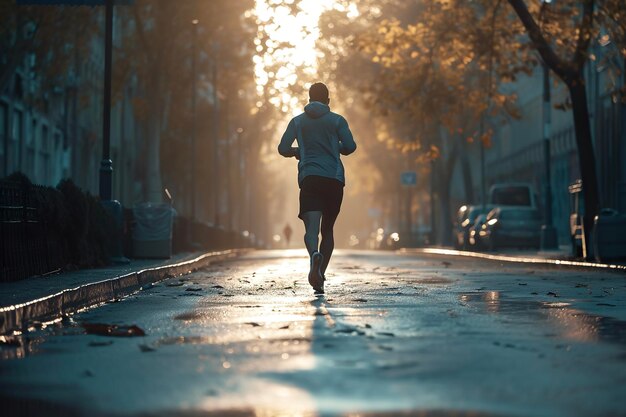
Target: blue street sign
[{"x": 408, "y": 178}]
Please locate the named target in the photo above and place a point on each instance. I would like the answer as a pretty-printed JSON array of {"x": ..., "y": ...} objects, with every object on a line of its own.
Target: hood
[{"x": 315, "y": 109}]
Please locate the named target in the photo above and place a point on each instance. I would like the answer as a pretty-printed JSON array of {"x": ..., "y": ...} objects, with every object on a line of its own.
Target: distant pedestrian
[
  {"x": 321, "y": 136},
  {"x": 287, "y": 232}
]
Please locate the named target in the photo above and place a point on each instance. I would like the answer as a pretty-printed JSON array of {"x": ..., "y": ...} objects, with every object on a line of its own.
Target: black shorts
[{"x": 321, "y": 194}]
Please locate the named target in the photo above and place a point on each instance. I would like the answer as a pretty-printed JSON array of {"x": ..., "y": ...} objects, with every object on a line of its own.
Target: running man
[{"x": 321, "y": 136}]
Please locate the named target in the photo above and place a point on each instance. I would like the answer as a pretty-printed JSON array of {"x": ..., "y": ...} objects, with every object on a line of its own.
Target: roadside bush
[
  {"x": 77, "y": 229},
  {"x": 89, "y": 226}
]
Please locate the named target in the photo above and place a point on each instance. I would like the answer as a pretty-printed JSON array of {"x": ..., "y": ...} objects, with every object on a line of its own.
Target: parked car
[
  {"x": 466, "y": 217},
  {"x": 512, "y": 226},
  {"x": 609, "y": 236},
  {"x": 475, "y": 241}
]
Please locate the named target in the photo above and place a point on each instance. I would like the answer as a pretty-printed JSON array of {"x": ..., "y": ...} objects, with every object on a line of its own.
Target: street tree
[
  {"x": 435, "y": 82},
  {"x": 562, "y": 33},
  {"x": 52, "y": 35},
  {"x": 158, "y": 52}
]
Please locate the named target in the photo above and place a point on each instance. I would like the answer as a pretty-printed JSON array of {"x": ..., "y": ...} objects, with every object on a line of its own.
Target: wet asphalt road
[{"x": 394, "y": 335}]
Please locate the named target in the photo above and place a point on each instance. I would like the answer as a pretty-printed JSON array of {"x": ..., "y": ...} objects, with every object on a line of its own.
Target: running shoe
[{"x": 316, "y": 279}]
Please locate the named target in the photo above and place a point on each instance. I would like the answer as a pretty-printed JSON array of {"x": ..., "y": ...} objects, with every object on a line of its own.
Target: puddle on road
[
  {"x": 432, "y": 280},
  {"x": 20, "y": 346},
  {"x": 572, "y": 324}
]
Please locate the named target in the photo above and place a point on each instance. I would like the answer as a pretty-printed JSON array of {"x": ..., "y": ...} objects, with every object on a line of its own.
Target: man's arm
[
  {"x": 284, "y": 147},
  {"x": 346, "y": 141}
]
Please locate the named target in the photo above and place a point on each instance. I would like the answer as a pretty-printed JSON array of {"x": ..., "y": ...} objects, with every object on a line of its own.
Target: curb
[
  {"x": 52, "y": 307},
  {"x": 514, "y": 259}
]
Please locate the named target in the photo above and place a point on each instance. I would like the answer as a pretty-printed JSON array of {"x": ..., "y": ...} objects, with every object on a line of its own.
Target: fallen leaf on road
[
  {"x": 606, "y": 305},
  {"x": 146, "y": 348},
  {"x": 194, "y": 289},
  {"x": 284, "y": 327},
  {"x": 360, "y": 300},
  {"x": 191, "y": 315},
  {"x": 552, "y": 294},
  {"x": 217, "y": 286},
  {"x": 253, "y": 324},
  {"x": 387, "y": 334},
  {"x": 99, "y": 344},
  {"x": 174, "y": 284},
  {"x": 350, "y": 330},
  {"x": 102, "y": 329}
]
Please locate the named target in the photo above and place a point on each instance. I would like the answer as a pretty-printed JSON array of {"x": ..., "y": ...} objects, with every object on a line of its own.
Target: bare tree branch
[{"x": 541, "y": 44}]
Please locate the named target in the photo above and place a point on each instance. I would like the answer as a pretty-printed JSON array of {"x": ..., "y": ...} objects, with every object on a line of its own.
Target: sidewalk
[
  {"x": 559, "y": 257},
  {"x": 40, "y": 299}
]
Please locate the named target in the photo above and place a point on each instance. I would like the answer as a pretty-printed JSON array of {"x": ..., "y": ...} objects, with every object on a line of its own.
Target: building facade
[
  {"x": 517, "y": 154},
  {"x": 55, "y": 133}
]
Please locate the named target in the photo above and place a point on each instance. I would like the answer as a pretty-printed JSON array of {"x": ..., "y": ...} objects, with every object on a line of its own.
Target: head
[{"x": 319, "y": 92}]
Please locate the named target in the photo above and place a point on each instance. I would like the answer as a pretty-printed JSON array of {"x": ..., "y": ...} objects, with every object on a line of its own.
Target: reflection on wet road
[{"x": 394, "y": 335}]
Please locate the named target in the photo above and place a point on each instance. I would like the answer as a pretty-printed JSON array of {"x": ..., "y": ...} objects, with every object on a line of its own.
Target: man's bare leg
[
  {"x": 312, "y": 220},
  {"x": 328, "y": 242}
]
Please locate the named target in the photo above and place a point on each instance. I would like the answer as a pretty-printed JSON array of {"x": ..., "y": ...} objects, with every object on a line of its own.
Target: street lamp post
[
  {"x": 548, "y": 232},
  {"x": 106, "y": 165}
]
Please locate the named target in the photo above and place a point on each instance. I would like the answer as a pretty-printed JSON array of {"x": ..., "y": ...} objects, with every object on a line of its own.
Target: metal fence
[{"x": 27, "y": 246}]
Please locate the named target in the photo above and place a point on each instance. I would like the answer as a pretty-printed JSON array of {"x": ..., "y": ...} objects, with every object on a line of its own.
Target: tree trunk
[
  {"x": 586, "y": 154},
  {"x": 446, "y": 171},
  {"x": 466, "y": 172},
  {"x": 446, "y": 221},
  {"x": 153, "y": 191}
]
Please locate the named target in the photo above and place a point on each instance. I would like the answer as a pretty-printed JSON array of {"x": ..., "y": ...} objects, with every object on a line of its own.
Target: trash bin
[
  {"x": 152, "y": 230},
  {"x": 609, "y": 235}
]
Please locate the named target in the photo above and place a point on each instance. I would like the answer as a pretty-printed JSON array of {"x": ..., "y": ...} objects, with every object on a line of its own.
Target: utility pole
[
  {"x": 433, "y": 217},
  {"x": 228, "y": 168},
  {"x": 215, "y": 130},
  {"x": 549, "y": 238},
  {"x": 192, "y": 157},
  {"x": 483, "y": 190}
]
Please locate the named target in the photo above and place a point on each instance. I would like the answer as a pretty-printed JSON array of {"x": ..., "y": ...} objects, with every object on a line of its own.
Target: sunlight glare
[{"x": 289, "y": 50}]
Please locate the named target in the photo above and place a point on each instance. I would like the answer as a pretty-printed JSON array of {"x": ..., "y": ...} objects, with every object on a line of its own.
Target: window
[
  {"x": 17, "y": 129},
  {"x": 44, "y": 156},
  {"x": 520, "y": 215},
  {"x": 511, "y": 196},
  {"x": 4, "y": 137}
]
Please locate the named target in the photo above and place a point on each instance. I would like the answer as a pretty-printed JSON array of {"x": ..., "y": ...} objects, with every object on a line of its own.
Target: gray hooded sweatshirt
[{"x": 321, "y": 135}]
